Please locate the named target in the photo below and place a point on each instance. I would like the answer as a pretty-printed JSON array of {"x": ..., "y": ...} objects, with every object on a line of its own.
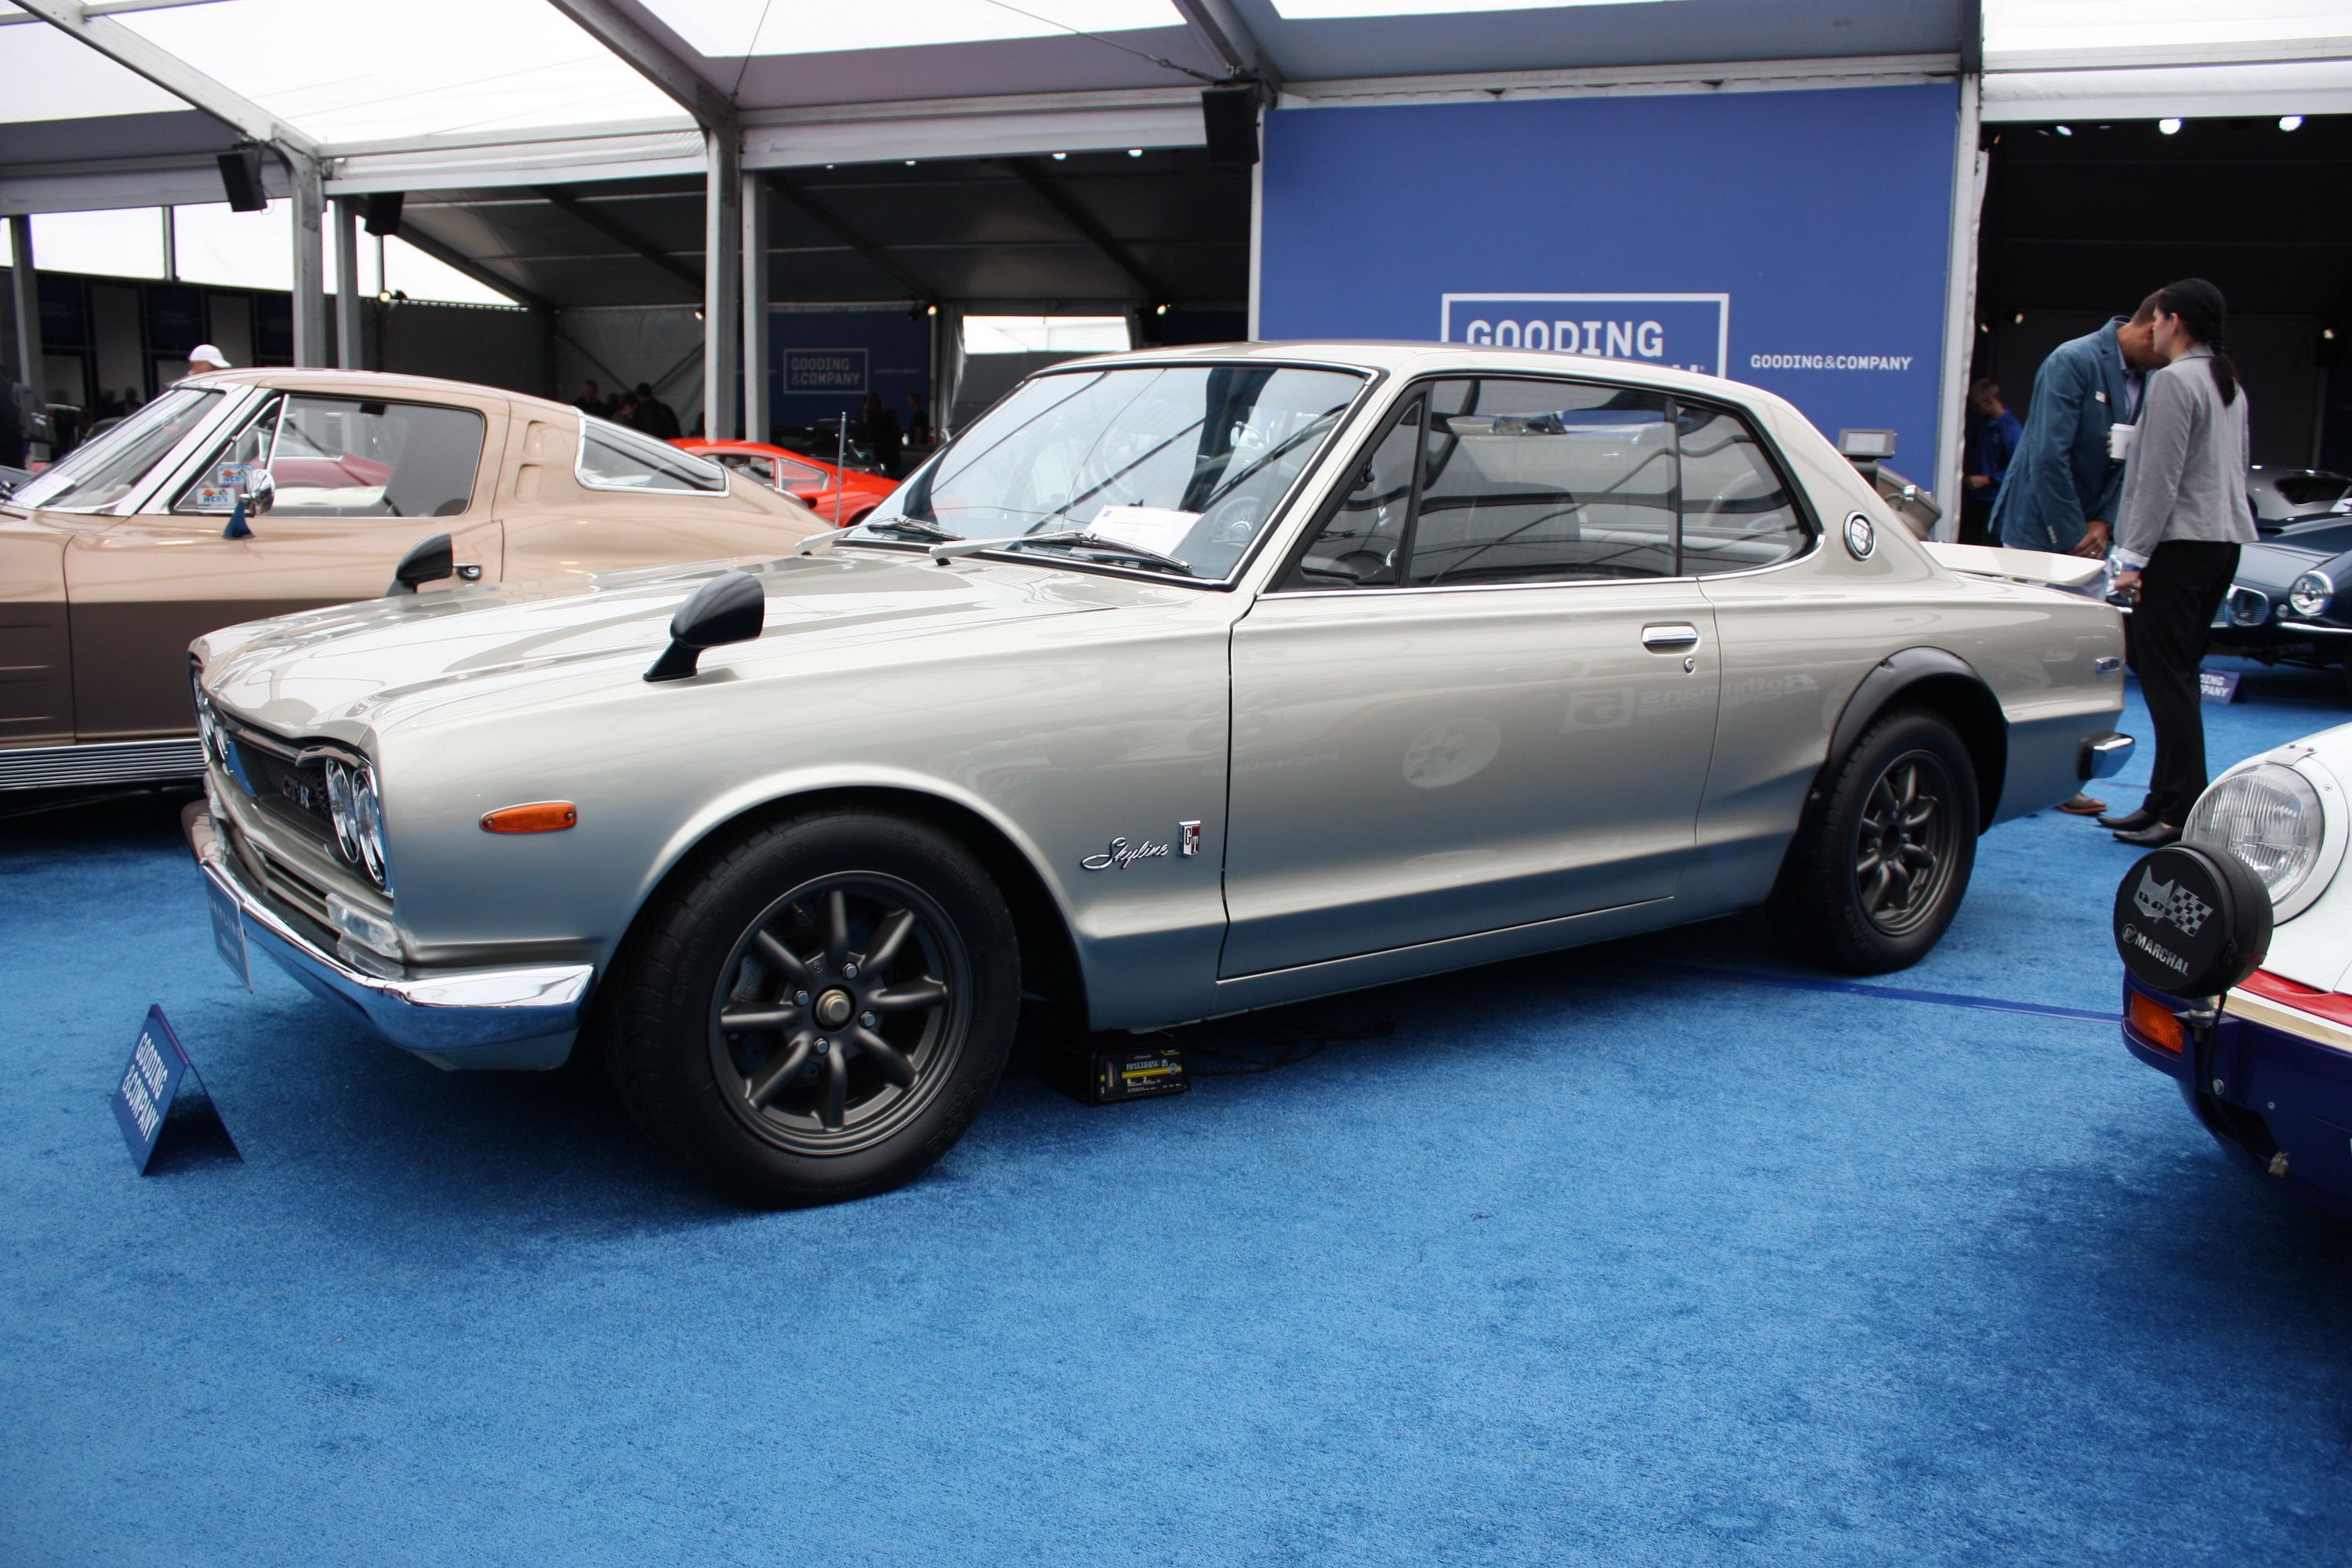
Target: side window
[
  {"x": 1360, "y": 543},
  {"x": 209, "y": 494},
  {"x": 343, "y": 457},
  {"x": 750, "y": 464},
  {"x": 612, "y": 458},
  {"x": 1539, "y": 482},
  {"x": 1738, "y": 514},
  {"x": 798, "y": 477}
]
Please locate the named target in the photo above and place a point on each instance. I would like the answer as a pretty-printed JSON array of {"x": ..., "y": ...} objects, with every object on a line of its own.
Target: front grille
[
  {"x": 293, "y": 889},
  {"x": 289, "y": 792}
]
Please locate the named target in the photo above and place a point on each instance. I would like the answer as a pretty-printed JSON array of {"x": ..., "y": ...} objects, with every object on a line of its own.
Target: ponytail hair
[{"x": 2204, "y": 313}]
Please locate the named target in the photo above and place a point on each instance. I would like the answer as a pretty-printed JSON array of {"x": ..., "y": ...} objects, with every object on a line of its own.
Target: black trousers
[{"x": 2183, "y": 584}]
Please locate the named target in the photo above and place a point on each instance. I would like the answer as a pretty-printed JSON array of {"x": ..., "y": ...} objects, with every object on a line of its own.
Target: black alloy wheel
[
  {"x": 814, "y": 1007},
  {"x": 833, "y": 1010},
  {"x": 1903, "y": 849},
  {"x": 1878, "y": 867}
]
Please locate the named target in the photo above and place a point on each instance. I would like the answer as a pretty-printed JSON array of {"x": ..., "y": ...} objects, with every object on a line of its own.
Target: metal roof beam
[
  {"x": 653, "y": 59},
  {"x": 449, "y": 256},
  {"x": 1075, "y": 214},
  {"x": 173, "y": 75},
  {"x": 621, "y": 235},
  {"x": 808, "y": 208},
  {"x": 1222, "y": 27}
]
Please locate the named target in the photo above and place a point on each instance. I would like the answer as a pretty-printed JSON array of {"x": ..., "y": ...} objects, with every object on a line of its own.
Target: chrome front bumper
[
  {"x": 524, "y": 1018},
  {"x": 2103, "y": 756}
]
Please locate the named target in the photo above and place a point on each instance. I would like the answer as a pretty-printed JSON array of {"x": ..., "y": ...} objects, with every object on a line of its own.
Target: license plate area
[{"x": 228, "y": 932}]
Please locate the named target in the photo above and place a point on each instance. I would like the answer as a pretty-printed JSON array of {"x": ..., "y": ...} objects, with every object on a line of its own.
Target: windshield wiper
[
  {"x": 912, "y": 527},
  {"x": 1073, "y": 540}
]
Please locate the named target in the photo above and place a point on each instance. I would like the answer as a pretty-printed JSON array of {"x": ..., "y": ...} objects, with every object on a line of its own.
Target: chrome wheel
[
  {"x": 1903, "y": 843},
  {"x": 839, "y": 1013}
]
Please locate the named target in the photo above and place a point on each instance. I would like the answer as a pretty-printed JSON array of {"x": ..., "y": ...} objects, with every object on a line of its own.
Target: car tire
[
  {"x": 868, "y": 966},
  {"x": 1882, "y": 860}
]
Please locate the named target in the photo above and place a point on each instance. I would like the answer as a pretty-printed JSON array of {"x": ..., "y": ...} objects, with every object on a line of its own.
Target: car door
[
  {"x": 1483, "y": 694},
  {"x": 358, "y": 481}
]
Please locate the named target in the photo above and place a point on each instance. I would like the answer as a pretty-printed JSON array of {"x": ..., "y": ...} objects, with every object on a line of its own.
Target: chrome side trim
[
  {"x": 2312, "y": 629},
  {"x": 2103, "y": 756},
  {"x": 466, "y": 1017},
  {"x": 101, "y": 763}
]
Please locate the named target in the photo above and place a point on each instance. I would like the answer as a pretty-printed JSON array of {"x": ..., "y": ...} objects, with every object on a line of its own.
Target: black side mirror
[
  {"x": 431, "y": 560},
  {"x": 729, "y": 609}
]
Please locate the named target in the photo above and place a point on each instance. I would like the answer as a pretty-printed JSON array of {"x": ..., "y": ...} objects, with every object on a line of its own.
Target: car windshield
[
  {"x": 102, "y": 471},
  {"x": 1185, "y": 462}
]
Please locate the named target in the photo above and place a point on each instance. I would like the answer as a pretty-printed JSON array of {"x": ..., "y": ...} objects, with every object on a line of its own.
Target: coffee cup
[{"x": 2119, "y": 440}]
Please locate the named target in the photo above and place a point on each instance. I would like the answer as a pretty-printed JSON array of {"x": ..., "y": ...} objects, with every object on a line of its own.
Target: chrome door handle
[
  {"x": 469, "y": 573},
  {"x": 1667, "y": 639}
]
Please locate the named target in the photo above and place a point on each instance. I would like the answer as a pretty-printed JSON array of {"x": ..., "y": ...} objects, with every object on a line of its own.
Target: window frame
[
  {"x": 285, "y": 397},
  {"x": 1420, "y": 385},
  {"x": 604, "y": 487}
]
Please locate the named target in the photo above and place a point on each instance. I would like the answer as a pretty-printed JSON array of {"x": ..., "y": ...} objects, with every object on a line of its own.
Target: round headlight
[
  {"x": 208, "y": 725},
  {"x": 340, "y": 812},
  {"x": 2312, "y": 594},
  {"x": 2269, "y": 818},
  {"x": 367, "y": 825}
]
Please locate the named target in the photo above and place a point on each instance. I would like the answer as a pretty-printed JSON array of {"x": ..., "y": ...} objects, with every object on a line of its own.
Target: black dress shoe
[
  {"x": 2131, "y": 822},
  {"x": 2155, "y": 836}
]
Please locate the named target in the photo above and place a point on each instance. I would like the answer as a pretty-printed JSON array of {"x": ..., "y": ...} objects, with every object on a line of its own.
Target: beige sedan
[{"x": 258, "y": 492}]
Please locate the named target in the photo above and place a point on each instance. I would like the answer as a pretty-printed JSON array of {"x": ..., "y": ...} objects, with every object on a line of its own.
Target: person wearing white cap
[{"x": 203, "y": 357}]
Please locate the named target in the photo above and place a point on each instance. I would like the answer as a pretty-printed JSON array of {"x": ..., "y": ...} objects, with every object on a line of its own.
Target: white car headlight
[
  {"x": 2269, "y": 816},
  {"x": 2312, "y": 594},
  {"x": 357, "y": 811}
]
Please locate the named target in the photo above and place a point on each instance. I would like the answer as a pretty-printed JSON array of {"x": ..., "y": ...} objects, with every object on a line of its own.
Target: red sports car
[{"x": 840, "y": 496}]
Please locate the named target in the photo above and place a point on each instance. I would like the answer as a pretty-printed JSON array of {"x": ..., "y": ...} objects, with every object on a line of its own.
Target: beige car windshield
[{"x": 102, "y": 473}]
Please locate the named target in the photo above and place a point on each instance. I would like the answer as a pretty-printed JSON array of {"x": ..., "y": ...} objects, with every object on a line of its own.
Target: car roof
[
  {"x": 384, "y": 383},
  {"x": 1409, "y": 359}
]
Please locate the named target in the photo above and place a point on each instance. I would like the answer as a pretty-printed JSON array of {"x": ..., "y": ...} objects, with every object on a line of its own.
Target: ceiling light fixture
[
  {"x": 2065, "y": 130},
  {"x": 1135, "y": 152},
  {"x": 1061, "y": 157},
  {"x": 2170, "y": 127},
  {"x": 2290, "y": 122},
  {"x": 2020, "y": 320}
]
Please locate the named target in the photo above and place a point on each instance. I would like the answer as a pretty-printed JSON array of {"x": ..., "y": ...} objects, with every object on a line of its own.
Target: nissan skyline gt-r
[
  {"x": 2266, "y": 1064},
  {"x": 1182, "y": 682},
  {"x": 253, "y": 493}
]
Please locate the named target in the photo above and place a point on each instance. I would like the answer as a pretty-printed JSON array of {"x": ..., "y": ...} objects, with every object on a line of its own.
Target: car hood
[
  {"x": 2275, "y": 564},
  {"x": 295, "y": 673}
]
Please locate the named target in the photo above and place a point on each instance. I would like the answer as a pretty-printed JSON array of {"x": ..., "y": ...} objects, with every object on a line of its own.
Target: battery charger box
[{"x": 1113, "y": 1074}]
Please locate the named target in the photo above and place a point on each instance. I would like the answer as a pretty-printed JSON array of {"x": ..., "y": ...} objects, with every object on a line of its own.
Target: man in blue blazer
[{"x": 2061, "y": 490}]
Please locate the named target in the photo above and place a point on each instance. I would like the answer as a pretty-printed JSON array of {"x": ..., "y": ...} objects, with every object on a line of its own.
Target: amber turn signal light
[
  {"x": 2154, "y": 1022},
  {"x": 540, "y": 817}
]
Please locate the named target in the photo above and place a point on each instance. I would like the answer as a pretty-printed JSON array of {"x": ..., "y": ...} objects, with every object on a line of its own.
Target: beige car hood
[{"x": 295, "y": 673}]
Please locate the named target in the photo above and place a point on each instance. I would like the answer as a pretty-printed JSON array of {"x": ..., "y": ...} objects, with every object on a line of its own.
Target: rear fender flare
[{"x": 1939, "y": 681}]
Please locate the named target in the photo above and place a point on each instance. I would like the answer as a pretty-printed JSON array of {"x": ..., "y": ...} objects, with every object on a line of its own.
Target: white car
[{"x": 2269, "y": 1073}]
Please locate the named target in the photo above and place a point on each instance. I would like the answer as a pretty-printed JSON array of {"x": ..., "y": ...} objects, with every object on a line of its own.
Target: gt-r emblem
[
  {"x": 1861, "y": 536},
  {"x": 1188, "y": 838}
]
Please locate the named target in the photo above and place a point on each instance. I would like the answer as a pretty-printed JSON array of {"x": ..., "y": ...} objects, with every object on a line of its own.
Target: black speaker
[
  {"x": 382, "y": 213},
  {"x": 1229, "y": 115},
  {"x": 240, "y": 170}
]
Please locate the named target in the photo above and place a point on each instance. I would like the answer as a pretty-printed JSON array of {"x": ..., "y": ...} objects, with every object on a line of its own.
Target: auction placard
[{"x": 152, "y": 1084}]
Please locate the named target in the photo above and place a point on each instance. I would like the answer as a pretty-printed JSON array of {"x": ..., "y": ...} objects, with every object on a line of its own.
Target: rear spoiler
[{"x": 2017, "y": 566}]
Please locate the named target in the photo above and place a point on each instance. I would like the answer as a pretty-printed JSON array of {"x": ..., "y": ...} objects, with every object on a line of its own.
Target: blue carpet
[{"x": 1662, "y": 1253}]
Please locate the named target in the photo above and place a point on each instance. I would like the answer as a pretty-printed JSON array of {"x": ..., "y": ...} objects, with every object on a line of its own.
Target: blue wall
[
  {"x": 1822, "y": 220},
  {"x": 885, "y": 350}
]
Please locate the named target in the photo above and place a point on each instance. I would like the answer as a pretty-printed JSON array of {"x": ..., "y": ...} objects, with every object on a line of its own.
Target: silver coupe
[{"x": 1179, "y": 684}]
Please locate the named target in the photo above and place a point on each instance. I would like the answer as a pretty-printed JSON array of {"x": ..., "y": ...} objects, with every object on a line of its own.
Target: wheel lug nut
[
  {"x": 800, "y": 999},
  {"x": 868, "y": 1020},
  {"x": 849, "y": 972},
  {"x": 823, "y": 1045}
]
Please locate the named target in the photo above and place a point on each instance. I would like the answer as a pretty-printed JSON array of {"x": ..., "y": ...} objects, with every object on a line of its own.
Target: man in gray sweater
[{"x": 2183, "y": 518}]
